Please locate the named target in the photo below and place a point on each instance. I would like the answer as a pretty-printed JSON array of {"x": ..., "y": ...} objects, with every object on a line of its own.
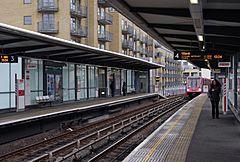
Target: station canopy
[
  {"x": 188, "y": 25},
  {"x": 29, "y": 44}
]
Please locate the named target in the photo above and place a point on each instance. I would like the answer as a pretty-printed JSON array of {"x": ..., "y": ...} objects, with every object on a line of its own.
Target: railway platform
[{"x": 192, "y": 135}]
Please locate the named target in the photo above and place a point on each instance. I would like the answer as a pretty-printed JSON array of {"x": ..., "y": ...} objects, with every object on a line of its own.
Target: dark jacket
[{"x": 214, "y": 93}]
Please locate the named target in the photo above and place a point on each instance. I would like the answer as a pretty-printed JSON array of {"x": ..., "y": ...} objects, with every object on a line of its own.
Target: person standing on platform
[
  {"x": 112, "y": 88},
  {"x": 214, "y": 95},
  {"x": 124, "y": 88}
]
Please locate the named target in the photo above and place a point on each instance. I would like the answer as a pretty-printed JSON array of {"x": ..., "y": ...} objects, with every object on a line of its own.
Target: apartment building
[{"x": 94, "y": 23}]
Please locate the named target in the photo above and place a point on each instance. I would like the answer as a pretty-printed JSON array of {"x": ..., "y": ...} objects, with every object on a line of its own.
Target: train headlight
[
  {"x": 188, "y": 89},
  {"x": 199, "y": 89}
]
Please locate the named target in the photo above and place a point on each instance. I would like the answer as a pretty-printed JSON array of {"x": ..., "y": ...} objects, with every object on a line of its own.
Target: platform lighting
[
  {"x": 194, "y": 1},
  {"x": 200, "y": 38}
]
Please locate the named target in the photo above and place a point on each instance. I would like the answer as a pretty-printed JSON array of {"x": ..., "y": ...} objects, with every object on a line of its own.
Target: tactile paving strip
[{"x": 170, "y": 142}]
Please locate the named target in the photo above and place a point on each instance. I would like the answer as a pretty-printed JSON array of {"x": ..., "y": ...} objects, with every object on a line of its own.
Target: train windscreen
[{"x": 193, "y": 82}]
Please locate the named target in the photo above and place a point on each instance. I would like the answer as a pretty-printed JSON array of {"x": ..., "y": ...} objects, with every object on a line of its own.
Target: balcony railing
[
  {"x": 127, "y": 44},
  {"x": 48, "y": 27},
  {"x": 150, "y": 41},
  {"x": 141, "y": 38},
  {"x": 127, "y": 29},
  {"x": 105, "y": 19},
  {"x": 80, "y": 11},
  {"x": 136, "y": 36},
  {"x": 82, "y": 31},
  {"x": 145, "y": 51},
  {"x": 105, "y": 36},
  {"x": 47, "y": 6},
  {"x": 150, "y": 53},
  {"x": 157, "y": 45},
  {"x": 103, "y": 3}
]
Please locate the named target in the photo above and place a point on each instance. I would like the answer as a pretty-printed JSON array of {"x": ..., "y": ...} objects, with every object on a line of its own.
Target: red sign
[{"x": 21, "y": 92}]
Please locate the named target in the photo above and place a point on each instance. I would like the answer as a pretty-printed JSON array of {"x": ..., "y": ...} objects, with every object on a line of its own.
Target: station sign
[
  {"x": 197, "y": 55},
  {"x": 224, "y": 64},
  {"x": 8, "y": 59}
]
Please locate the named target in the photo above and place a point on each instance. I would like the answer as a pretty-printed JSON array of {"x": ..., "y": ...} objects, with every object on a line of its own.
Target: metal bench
[{"x": 44, "y": 100}]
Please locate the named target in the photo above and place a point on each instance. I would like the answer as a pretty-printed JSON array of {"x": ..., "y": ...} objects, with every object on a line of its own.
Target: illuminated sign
[
  {"x": 197, "y": 55},
  {"x": 224, "y": 64},
  {"x": 8, "y": 59}
]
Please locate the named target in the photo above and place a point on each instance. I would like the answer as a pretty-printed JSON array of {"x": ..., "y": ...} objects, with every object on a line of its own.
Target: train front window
[{"x": 193, "y": 83}]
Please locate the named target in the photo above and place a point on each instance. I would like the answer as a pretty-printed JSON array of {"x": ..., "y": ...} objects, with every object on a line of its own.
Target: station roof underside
[
  {"x": 31, "y": 44},
  {"x": 177, "y": 23}
]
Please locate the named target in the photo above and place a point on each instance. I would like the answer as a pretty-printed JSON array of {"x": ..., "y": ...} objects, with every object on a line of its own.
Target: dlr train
[{"x": 196, "y": 85}]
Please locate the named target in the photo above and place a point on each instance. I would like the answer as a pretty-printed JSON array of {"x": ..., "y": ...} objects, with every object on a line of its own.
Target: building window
[
  {"x": 27, "y": 20},
  {"x": 27, "y": 1}
]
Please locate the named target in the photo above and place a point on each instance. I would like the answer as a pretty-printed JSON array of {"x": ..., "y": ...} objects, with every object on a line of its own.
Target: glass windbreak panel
[
  {"x": 129, "y": 80},
  {"x": 4, "y": 100},
  {"x": 81, "y": 82},
  {"x": 58, "y": 87},
  {"x": 50, "y": 85},
  {"x": 102, "y": 78},
  {"x": 71, "y": 76},
  {"x": 65, "y": 83},
  {"x": 117, "y": 80},
  {"x": 4, "y": 86},
  {"x": 92, "y": 82}
]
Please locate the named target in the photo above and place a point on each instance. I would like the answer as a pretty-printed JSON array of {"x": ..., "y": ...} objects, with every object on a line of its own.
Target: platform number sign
[
  {"x": 8, "y": 59},
  {"x": 176, "y": 56}
]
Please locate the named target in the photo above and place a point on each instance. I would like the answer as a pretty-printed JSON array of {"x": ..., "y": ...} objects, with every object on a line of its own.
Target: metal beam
[
  {"x": 180, "y": 12},
  {"x": 228, "y": 15},
  {"x": 222, "y": 30},
  {"x": 184, "y": 43},
  {"x": 24, "y": 48},
  {"x": 173, "y": 26},
  {"x": 181, "y": 36},
  {"x": 9, "y": 41},
  {"x": 49, "y": 53}
]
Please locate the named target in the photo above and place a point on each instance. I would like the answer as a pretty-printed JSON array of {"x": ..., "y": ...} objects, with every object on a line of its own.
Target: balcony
[
  {"x": 79, "y": 32},
  {"x": 105, "y": 19},
  {"x": 145, "y": 39},
  {"x": 80, "y": 11},
  {"x": 157, "y": 45},
  {"x": 105, "y": 36},
  {"x": 150, "y": 53},
  {"x": 141, "y": 38},
  {"x": 136, "y": 37},
  {"x": 127, "y": 44},
  {"x": 47, "y": 6},
  {"x": 103, "y": 3},
  {"x": 145, "y": 51},
  {"x": 48, "y": 27},
  {"x": 149, "y": 41},
  {"x": 127, "y": 29}
]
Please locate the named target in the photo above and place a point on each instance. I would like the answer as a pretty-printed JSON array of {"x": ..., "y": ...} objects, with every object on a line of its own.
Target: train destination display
[
  {"x": 197, "y": 55},
  {"x": 8, "y": 59}
]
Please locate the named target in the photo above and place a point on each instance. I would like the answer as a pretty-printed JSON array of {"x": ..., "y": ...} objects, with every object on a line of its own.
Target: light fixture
[
  {"x": 200, "y": 38},
  {"x": 194, "y": 1}
]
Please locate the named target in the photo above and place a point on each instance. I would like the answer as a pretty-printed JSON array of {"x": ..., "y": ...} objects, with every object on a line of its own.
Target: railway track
[{"x": 84, "y": 139}]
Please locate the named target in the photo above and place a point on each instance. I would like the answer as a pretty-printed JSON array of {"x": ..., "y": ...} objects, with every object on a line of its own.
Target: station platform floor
[
  {"x": 33, "y": 113},
  {"x": 191, "y": 135}
]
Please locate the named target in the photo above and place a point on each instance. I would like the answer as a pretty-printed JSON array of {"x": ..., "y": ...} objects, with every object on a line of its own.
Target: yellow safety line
[{"x": 153, "y": 149}]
